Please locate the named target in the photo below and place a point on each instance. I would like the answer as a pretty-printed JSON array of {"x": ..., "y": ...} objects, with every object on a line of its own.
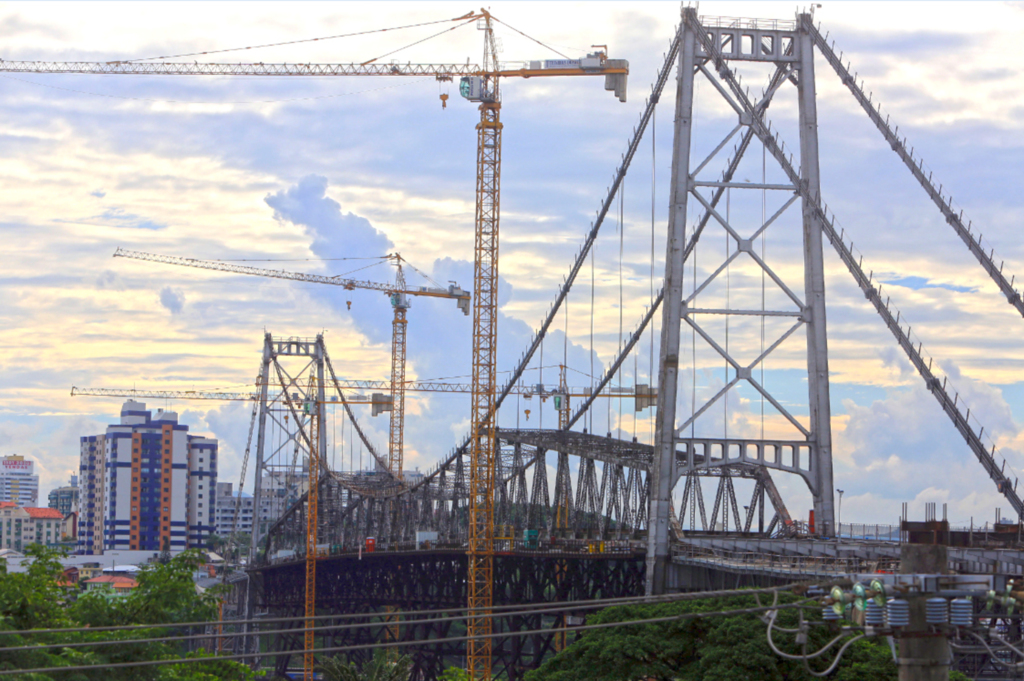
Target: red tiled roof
[
  {"x": 7, "y": 504},
  {"x": 44, "y": 513},
  {"x": 115, "y": 581}
]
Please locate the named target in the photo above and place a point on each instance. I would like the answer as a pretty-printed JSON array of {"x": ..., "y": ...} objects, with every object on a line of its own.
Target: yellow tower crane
[
  {"x": 478, "y": 83},
  {"x": 312, "y": 408},
  {"x": 398, "y": 293}
]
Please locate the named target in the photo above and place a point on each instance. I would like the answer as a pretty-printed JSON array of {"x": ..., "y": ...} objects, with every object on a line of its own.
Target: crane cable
[
  {"x": 290, "y": 42},
  {"x": 547, "y": 47},
  {"x": 422, "y": 40}
]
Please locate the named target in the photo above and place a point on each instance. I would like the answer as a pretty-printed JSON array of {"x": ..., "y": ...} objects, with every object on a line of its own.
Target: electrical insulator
[
  {"x": 874, "y": 614},
  {"x": 961, "y": 612},
  {"x": 829, "y": 614},
  {"x": 936, "y": 611},
  {"x": 839, "y": 600},
  {"x": 899, "y": 613},
  {"x": 859, "y": 596}
]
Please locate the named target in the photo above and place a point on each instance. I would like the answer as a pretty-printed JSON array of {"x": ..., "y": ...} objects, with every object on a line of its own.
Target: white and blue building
[{"x": 146, "y": 484}]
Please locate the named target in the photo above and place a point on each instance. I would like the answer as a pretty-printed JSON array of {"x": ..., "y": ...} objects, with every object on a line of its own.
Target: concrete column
[
  {"x": 814, "y": 291},
  {"x": 923, "y": 659},
  {"x": 663, "y": 468}
]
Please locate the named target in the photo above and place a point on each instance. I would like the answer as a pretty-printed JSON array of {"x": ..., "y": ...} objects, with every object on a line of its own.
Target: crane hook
[
  {"x": 444, "y": 100},
  {"x": 349, "y": 303},
  {"x": 527, "y": 412}
]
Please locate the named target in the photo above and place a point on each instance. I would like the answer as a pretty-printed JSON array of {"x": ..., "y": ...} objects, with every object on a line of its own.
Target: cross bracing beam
[
  {"x": 987, "y": 459},
  {"x": 777, "y": 79},
  {"x": 916, "y": 166}
]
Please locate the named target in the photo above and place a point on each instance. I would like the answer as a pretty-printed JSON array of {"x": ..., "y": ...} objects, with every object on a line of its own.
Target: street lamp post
[{"x": 839, "y": 515}]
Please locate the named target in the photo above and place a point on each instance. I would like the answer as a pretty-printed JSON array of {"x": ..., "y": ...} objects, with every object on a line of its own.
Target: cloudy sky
[{"x": 304, "y": 173}]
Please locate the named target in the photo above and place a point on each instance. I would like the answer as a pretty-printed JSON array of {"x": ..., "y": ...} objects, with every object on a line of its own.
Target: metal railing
[{"x": 772, "y": 562}]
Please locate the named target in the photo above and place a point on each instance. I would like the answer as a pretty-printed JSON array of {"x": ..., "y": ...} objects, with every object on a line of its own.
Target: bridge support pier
[
  {"x": 663, "y": 468},
  {"x": 814, "y": 290}
]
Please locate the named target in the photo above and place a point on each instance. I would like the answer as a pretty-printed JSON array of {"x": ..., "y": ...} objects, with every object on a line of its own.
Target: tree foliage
[
  {"x": 383, "y": 666},
  {"x": 714, "y": 648},
  {"x": 166, "y": 595}
]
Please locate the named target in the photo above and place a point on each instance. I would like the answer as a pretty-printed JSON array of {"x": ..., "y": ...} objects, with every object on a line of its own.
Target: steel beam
[
  {"x": 663, "y": 470},
  {"x": 814, "y": 288}
]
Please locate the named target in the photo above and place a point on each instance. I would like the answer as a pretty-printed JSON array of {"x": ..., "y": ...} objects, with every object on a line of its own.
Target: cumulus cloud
[
  {"x": 172, "y": 299},
  {"x": 439, "y": 335},
  {"x": 109, "y": 280},
  {"x": 904, "y": 448}
]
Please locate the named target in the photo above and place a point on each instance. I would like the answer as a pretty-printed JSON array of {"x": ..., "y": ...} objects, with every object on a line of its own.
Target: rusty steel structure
[{"x": 379, "y": 583}]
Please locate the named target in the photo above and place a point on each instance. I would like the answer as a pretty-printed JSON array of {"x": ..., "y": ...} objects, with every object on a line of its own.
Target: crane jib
[{"x": 286, "y": 69}]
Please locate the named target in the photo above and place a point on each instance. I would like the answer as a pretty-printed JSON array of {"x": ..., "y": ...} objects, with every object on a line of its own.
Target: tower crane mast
[{"x": 477, "y": 84}]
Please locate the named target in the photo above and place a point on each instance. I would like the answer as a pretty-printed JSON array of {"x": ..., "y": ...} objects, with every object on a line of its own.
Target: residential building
[
  {"x": 69, "y": 528},
  {"x": 21, "y": 526},
  {"x": 279, "y": 490},
  {"x": 65, "y": 499},
  {"x": 18, "y": 481},
  {"x": 116, "y": 583},
  {"x": 146, "y": 484},
  {"x": 227, "y": 503}
]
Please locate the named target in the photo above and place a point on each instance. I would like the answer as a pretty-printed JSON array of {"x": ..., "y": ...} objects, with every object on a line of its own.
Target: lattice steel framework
[
  {"x": 707, "y": 47},
  {"x": 789, "y": 51},
  {"x": 380, "y": 583},
  {"x": 485, "y": 341}
]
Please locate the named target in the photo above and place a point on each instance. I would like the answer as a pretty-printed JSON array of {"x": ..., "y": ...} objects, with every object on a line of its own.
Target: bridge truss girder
[{"x": 436, "y": 579}]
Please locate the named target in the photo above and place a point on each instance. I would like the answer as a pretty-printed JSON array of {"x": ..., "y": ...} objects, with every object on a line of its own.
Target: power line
[
  {"x": 523, "y": 609},
  {"x": 621, "y": 600},
  {"x": 404, "y": 644}
]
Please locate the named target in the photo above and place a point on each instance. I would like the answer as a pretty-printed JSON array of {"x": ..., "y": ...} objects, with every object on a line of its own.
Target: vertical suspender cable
[
  {"x": 622, "y": 241},
  {"x": 593, "y": 281},
  {"x": 764, "y": 238},
  {"x": 654, "y": 176},
  {"x": 728, "y": 301}
]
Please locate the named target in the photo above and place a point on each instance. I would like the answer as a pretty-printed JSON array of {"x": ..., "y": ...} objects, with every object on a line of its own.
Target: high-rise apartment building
[
  {"x": 228, "y": 503},
  {"x": 65, "y": 499},
  {"x": 18, "y": 481},
  {"x": 147, "y": 484}
]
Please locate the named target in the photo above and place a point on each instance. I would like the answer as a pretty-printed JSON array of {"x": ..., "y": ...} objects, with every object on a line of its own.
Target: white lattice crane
[
  {"x": 478, "y": 83},
  {"x": 398, "y": 293}
]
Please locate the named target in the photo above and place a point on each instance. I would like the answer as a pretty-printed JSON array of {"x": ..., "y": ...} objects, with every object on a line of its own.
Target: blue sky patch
[{"x": 918, "y": 283}]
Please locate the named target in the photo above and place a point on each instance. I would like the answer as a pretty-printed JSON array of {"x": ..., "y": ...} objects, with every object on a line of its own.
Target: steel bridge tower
[{"x": 706, "y": 50}]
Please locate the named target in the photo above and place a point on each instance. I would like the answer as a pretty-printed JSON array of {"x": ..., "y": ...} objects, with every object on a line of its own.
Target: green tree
[
  {"x": 384, "y": 666},
  {"x": 166, "y": 594},
  {"x": 32, "y": 599},
  {"x": 713, "y": 648}
]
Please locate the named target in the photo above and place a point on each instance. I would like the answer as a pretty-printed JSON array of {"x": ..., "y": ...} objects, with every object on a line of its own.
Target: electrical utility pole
[{"x": 923, "y": 654}]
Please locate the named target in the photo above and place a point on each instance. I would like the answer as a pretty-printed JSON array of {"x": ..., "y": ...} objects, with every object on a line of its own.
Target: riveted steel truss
[
  {"x": 380, "y": 583},
  {"x": 600, "y": 492}
]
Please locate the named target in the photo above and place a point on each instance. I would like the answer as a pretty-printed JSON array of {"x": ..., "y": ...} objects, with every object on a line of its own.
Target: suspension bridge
[{"x": 691, "y": 503}]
